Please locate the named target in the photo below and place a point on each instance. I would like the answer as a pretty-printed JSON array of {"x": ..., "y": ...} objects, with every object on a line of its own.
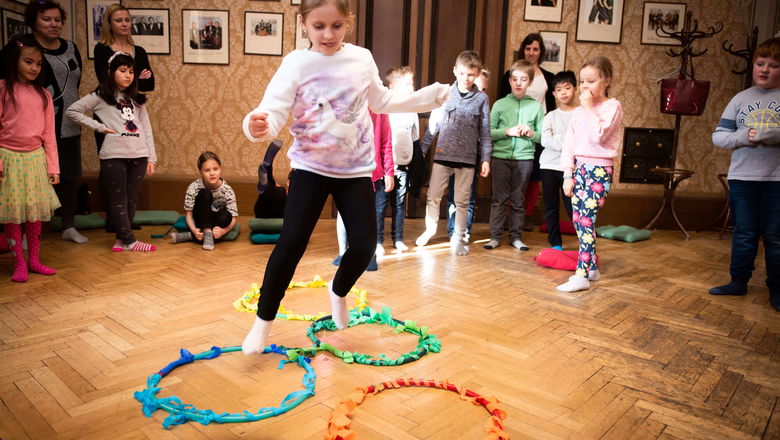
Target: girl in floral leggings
[{"x": 589, "y": 149}]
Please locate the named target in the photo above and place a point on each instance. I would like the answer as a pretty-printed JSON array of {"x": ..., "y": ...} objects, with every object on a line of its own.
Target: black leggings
[
  {"x": 121, "y": 180},
  {"x": 552, "y": 185},
  {"x": 308, "y": 192},
  {"x": 204, "y": 216}
]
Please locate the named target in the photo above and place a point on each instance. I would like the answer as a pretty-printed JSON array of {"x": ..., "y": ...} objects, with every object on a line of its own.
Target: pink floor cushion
[{"x": 555, "y": 259}]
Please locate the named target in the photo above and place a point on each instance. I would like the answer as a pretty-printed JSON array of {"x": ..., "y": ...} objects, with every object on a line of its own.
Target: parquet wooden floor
[{"x": 645, "y": 354}]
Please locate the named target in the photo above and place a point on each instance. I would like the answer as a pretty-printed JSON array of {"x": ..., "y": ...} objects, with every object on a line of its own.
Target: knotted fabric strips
[
  {"x": 182, "y": 413},
  {"x": 340, "y": 419},
  {"x": 426, "y": 342},
  {"x": 248, "y": 301}
]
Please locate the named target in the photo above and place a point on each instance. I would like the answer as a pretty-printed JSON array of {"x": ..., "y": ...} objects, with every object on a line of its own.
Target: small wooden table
[{"x": 672, "y": 178}]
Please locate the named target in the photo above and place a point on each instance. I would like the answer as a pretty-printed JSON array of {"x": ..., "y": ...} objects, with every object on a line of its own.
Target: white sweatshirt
[{"x": 329, "y": 97}]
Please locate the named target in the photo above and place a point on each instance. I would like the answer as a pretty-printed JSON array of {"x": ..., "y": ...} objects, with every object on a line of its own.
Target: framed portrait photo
[
  {"x": 263, "y": 33},
  {"x": 205, "y": 36},
  {"x": 13, "y": 25},
  {"x": 600, "y": 21},
  {"x": 554, "y": 50},
  {"x": 543, "y": 10},
  {"x": 151, "y": 29},
  {"x": 669, "y": 17},
  {"x": 95, "y": 10}
]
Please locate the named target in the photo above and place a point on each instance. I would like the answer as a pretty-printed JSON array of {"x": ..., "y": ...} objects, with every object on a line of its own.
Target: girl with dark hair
[
  {"x": 61, "y": 76},
  {"x": 128, "y": 150},
  {"x": 28, "y": 154},
  {"x": 209, "y": 204}
]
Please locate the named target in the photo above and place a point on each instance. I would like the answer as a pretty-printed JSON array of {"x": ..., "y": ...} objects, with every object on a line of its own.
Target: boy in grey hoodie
[{"x": 462, "y": 125}]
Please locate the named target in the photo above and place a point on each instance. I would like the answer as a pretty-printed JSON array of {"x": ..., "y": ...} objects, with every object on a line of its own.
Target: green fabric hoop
[{"x": 426, "y": 342}]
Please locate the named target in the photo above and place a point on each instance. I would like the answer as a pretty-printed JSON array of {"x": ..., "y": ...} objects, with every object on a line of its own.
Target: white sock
[
  {"x": 338, "y": 304},
  {"x": 254, "y": 341},
  {"x": 73, "y": 235},
  {"x": 574, "y": 284}
]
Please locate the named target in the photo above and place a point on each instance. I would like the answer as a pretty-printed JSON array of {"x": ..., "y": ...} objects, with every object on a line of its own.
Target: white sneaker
[
  {"x": 380, "y": 250},
  {"x": 574, "y": 284},
  {"x": 594, "y": 275},
  {"x": 400, "y": 246},
  {"x": 519, "y": 245}
]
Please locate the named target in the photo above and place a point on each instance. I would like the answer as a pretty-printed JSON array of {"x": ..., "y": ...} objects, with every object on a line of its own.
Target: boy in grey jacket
[{"x": 462, "y": 125}]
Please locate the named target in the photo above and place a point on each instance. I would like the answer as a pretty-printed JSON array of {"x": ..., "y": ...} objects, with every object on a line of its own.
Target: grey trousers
[
  {"x": 510, "y": 179},
  {"x": 437, "y": 186}
]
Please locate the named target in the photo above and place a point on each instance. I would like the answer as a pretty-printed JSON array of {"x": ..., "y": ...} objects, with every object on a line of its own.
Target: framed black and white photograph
[
  {"x": 668, "y": 17},
  {"x": 94, "y": 11},
  {"x": 151, "y": 30},
  {"x": 554, "y": 50},
  {"x": 263, "y": 33},
  {"x": 543, "y": 10},
  {"x": 13, "y": 25},
  {"x": 301, "y": 39},
  {"x": 600, "y": 21},
  {"x": 205, "y": 36}
]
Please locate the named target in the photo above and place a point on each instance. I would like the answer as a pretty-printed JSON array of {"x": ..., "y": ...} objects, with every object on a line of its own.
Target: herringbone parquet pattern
[{"x": 646, "y": 354}]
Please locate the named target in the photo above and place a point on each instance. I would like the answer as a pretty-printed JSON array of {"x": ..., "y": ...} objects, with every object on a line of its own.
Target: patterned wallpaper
[
  {"x": 198, "y": 107},
  {"x": 637, "y": 67}
]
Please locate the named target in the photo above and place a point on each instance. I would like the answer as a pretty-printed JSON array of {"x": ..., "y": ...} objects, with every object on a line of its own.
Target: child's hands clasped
[
  {"x": 218, "y": 232},
  {"x": 520, "y": 131},
  {"x": 198, "y": 234},
  {"x": 258, "y": 125}
]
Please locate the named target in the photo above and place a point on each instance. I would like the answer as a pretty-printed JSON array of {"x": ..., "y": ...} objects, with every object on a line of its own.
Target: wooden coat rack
[
  {"x": 746, "y": 54},
  {"x": 673, "y": 176}
]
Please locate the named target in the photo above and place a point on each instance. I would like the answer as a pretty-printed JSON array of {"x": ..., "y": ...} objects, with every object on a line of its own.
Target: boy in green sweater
[{"x": 515, "y": 126}]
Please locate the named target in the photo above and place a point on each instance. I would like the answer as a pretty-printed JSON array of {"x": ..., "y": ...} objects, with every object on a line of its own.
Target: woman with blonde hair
[{"x": 116, "y": 37}]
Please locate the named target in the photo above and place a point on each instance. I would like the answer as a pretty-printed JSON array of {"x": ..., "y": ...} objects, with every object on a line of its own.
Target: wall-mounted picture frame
[
  {"x": 263, "y": 33},
  {"x": 151, "y": 29},
  {"x": 554, "y": 50},
  {"x": 205, "y": 36},
  {"x": 667, "y": 16},
  {"x": 600, "y": 21},
  {"x": 543, "y": 10},
  {"x": 94, "y": 10},
  {"x": 295, "y": 2},
  {"x": 13, "y": 25},
  {"x": 301, "y": 40}
]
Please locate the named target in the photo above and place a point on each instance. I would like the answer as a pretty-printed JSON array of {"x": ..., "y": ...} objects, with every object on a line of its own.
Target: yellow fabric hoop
[{"x": 248, "y": 301}]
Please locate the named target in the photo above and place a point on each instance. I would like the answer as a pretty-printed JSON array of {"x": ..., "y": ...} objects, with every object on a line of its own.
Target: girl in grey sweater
[{"x": 128, "y": 150}]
